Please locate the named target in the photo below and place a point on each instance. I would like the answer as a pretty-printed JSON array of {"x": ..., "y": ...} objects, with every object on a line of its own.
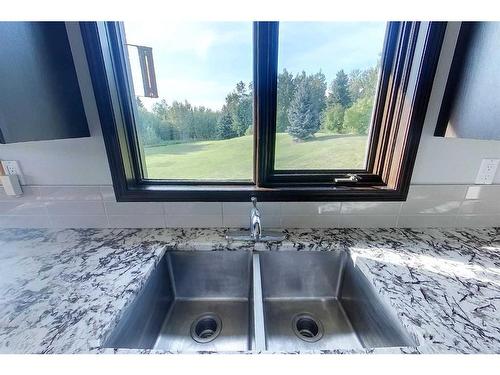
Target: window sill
[{"x": 238, "y": 193}]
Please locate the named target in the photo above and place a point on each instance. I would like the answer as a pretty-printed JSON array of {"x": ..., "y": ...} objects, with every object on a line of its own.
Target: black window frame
[{"x": 397, "y": 123}]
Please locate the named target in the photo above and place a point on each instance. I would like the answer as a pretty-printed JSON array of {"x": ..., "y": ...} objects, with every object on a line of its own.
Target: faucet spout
[
  {"x": 255, "y": 226},
  {"x": 255, "y": 233}
]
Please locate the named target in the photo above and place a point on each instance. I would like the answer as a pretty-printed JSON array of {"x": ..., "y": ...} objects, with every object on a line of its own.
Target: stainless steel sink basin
[
  {"x": 320, "y": 301},
  {"x": 194, "y": 301},
  {"x": 275, "y": 301}
]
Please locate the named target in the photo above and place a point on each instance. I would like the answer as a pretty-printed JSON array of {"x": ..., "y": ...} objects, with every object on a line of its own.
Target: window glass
[
  {"x": 327, "y": 78},
  {"x": 200, "y": 126}
]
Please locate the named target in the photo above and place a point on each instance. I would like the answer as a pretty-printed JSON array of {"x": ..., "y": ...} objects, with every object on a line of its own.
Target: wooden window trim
[{"x": 398, "y": 117}]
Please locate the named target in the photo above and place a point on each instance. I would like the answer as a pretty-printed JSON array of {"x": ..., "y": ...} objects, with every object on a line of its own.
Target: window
[
  {"x": 282, "y": 111},
  {"x": 199, "y": 126},
  {"x": 325, "y": 103}
]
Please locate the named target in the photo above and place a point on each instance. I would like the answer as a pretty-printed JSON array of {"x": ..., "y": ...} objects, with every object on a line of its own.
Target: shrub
[
  {"x": 357, "y": 118},
  {"x": 333, "y": 119}
]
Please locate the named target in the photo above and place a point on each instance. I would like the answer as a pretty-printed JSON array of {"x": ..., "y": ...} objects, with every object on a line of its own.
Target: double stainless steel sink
[{"x": 243, "y": 300}]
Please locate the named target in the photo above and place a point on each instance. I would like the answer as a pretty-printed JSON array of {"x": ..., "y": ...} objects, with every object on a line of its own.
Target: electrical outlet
[
  {"x": 12, "y": 167},
  {"x": 487, "y": 171}
]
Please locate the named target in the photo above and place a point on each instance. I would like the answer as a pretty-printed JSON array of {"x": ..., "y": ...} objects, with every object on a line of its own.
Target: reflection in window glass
[
  {"x": 327, "y": 78},
  {"x": 200, "y": 126}
]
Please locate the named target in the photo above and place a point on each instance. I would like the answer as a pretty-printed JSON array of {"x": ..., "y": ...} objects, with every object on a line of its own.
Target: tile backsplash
[{"x": 96, "y": 207}]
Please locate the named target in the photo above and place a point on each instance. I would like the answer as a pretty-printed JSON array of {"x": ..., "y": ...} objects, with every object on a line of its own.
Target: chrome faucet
[
  {"x": 255, "y": 233},
  {"x": 255, "y": 227}
]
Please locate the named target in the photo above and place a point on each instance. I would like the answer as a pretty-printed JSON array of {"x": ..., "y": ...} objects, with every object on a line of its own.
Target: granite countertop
[{"x": 62, "y": 291}]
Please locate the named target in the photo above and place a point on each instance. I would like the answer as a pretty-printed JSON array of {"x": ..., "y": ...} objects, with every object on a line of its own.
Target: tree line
[{"x": 306, "y": 104}]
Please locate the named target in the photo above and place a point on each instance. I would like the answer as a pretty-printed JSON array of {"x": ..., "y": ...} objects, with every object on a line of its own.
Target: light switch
[{"x": 487, "y": 171}]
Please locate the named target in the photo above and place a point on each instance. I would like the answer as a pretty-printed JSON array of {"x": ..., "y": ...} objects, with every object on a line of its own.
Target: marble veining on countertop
[{"x": 62, "y": 291}]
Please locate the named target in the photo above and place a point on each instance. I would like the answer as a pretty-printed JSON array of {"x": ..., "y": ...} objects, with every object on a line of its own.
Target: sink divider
[{"x": 258, "y": 306}]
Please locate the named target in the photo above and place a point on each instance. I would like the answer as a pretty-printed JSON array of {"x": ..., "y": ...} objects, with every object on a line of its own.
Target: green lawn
[{"x": 232, "y": 158}]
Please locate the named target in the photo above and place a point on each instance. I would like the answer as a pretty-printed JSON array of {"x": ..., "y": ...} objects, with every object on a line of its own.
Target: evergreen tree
[
  {"x": 239, "y": 103},
  {"x": 301, "y": 109},
  {"x": 286, "y": 89},
  {"x": 339, "y": 90},
  {"x": 301, "y": 116},
  {"x": 317, "y": 86},
  {"x": 225, "y": 128},
  {"x": 244, "y": 114}
]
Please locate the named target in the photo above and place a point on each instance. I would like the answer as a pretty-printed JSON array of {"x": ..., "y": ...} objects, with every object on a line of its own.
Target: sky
[{"x": 202, "y": 61}]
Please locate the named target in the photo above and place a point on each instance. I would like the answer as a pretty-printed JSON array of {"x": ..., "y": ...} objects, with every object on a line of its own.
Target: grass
[{"x": 232, "y": 158}]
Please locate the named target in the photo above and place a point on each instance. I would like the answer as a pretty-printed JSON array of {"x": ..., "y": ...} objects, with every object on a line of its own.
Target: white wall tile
[
  {"x": 193, "y": 208},
  {"x": 24, "y": 222},
  {"x": 269, "y": 222},
  {"x": 473, "y": 192},
  {"x": 299, "y": 208},
  {"x": 487, "y": 192},
  {"x": 430, "y": 207},
  {"x": 437, "y": 192},
  {"x": 194, "y": 221},
  {"x": 478, "y": 221},
  {"x": 95, "y": 206},
  {"x": 29, "y": 193},
  {"x": 433, "y": 200},
  {"x": 134, "y": 208},
  {"x": 73, "y": 193},
  {"x": 368, "y": 221},
  {"x": 23, "y": 208},
  {"x": 136, "y": 221},
  {"x": 371, "y": 208},
  {"x": 107, "y": 193},
  {"x": 236, "y": 221},
  {"x": 480, "y": 207},
  {"x": 328, "y": 208},
  {"x": 426, "y": 221},
  {"x": 310, "y": 208},
  {"x": 312, "y": 221},
  {"x": 75, "y": 208},
  {"x": 78, "y": 221}
]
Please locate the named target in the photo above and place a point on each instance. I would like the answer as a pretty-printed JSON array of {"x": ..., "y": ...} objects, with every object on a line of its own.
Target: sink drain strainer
[
  {"x": 206, "y": 328},
  {"x": 307, "y": 328}
]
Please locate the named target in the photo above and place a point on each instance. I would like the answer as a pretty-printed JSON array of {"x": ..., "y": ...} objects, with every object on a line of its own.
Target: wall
[
  {"x": 95, "y": 207},
  {"x": 449, "y": 160},
  {"x": 444, "y": 169},
  {"x": 77, "y": 161}
]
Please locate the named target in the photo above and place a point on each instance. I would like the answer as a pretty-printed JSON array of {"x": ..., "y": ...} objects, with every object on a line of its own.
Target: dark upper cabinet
[
  {"x": 40, "y": 97},
  {"x": 471, "y": 104}
]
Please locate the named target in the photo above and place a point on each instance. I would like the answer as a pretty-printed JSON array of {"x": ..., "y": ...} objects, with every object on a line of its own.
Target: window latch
[{"x": 350, "y": 178}]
